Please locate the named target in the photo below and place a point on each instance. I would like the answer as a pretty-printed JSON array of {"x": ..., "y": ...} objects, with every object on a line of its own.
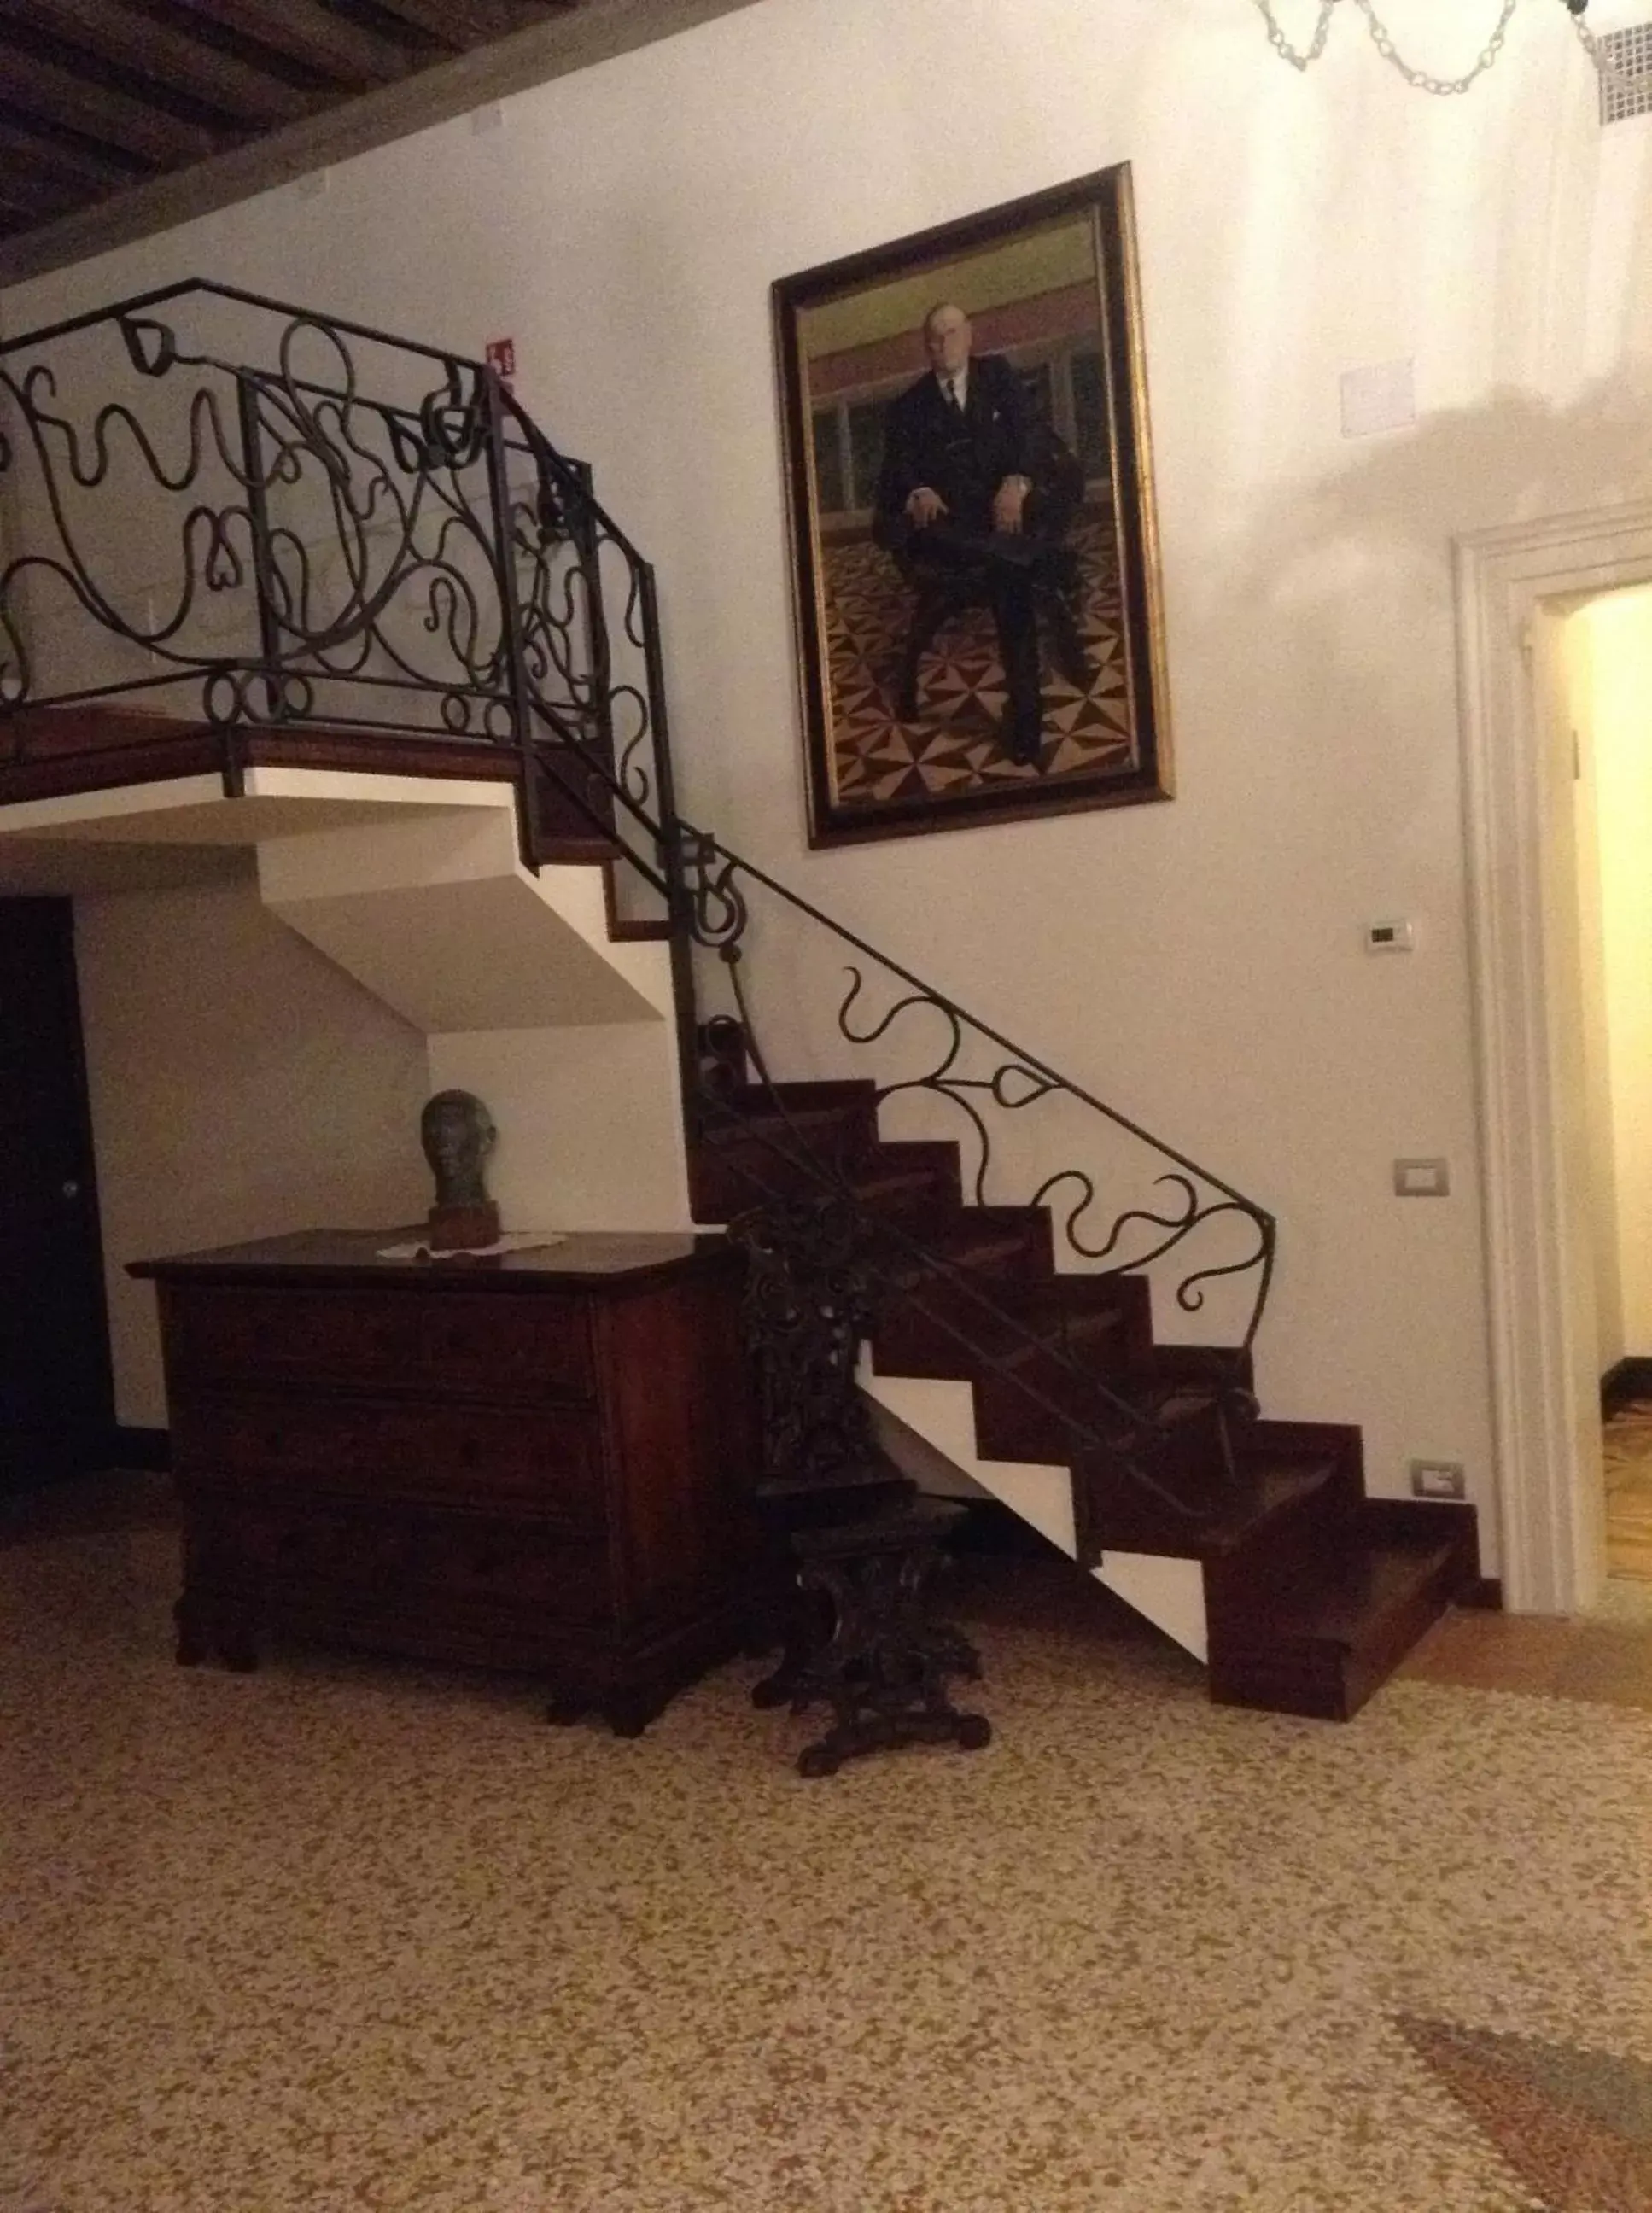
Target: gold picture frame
[{"x": 1008, "y": 663}]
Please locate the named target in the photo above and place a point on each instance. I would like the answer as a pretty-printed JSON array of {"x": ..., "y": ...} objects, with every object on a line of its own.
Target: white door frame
[{"x": 1550, "y": 1554}]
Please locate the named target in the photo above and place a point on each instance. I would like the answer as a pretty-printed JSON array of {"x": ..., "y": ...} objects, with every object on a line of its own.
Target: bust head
[{"x": 457, "y": 1133}]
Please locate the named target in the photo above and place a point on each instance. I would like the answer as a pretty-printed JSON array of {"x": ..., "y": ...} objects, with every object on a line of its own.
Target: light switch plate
[
  {"x": 1439, "y": 1478},
  {"x": 1421, "y": 1179},
  {"x": 1392, "y": 935}
]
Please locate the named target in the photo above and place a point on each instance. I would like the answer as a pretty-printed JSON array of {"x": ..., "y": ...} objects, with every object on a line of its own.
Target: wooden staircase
[
  {"x": 1311, "y": 1591},
  {"x": 1314, "y": 1591}
]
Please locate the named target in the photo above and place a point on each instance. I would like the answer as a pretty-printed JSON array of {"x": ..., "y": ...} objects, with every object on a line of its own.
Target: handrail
[
  {"x": 124, "y": 311},
  {"x": 430, "y": 553}
]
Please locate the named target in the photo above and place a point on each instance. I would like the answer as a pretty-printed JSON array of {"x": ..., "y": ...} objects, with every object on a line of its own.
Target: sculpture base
[{"x": 464, "y": 1228}]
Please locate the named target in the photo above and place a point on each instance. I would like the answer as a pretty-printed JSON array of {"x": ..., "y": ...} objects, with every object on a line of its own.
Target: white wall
[
  {"x": 1617, "y": 732},
  {"x": 1197, "y": 962},
  {"x": 241, "y": 1086}
]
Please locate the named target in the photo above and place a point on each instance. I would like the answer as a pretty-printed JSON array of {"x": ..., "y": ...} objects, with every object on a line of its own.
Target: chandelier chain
[
  {"x": 1422, "y": 78},
  {"x": 1298, "y": 57},
  {"x": 1303, "y": 58}
]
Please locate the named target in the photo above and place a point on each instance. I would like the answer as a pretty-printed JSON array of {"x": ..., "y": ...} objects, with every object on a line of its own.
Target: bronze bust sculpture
[{"x": 457, "y": 1134}]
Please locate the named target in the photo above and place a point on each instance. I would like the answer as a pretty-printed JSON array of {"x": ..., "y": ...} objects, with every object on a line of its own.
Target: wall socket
[{"x": 1438, "y": 1479}]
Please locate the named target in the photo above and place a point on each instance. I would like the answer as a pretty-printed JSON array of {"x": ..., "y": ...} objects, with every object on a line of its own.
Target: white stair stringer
[
  {"x": 412, "y": 886},
  {"x": 568, "y": 1035},
  {"x": 439, "y": 919},
  {"x": 1167, "y": 1591}
]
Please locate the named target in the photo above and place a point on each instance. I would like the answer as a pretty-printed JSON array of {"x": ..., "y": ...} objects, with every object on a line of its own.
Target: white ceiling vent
[{"x": 1625, "y": 59}]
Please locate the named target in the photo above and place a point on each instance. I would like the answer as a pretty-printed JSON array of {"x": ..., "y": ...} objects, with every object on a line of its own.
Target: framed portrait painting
[{"x": 971, "y": 503}]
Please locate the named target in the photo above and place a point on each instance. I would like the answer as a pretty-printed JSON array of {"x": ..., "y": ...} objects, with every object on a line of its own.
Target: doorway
[
  {"x": 1608, "y": 650},
  {"x": 57, "y": 1405},
  {"x": 1515, "y": 588}
]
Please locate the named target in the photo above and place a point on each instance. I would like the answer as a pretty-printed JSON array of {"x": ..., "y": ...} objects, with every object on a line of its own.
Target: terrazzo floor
[{"x": 345, "y": 1936}]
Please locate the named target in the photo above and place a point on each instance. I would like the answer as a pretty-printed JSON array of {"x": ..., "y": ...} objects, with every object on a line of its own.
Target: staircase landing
[{"x": 48, "y": 753}]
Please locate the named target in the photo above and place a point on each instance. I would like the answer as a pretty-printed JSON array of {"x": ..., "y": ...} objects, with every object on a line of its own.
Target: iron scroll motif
[
  {"x": 253, "y": 526},
  {"x": 352, "y": 530},
  {"x": 983, "y": 1077},
  {"x": 1017, "y": 1082}
]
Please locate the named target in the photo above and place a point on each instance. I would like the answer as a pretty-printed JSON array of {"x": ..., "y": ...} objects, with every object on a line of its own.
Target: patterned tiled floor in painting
[
  {"x": 345, "y": 1936},
  {"x": 953, "y": 749}
]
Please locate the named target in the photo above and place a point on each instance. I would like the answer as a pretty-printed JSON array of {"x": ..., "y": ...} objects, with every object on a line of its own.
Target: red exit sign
[{"x": 501, "y": 354}]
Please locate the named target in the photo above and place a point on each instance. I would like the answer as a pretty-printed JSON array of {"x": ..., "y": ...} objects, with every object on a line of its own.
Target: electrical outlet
[{"x": 1438, "y": 1479}]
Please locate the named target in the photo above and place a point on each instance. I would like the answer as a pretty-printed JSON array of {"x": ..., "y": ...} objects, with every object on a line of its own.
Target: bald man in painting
[{"x": 957, "y": 492}]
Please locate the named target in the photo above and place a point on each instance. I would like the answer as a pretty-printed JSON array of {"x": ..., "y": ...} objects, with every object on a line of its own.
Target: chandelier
[{"x": 1303, "y": 58}]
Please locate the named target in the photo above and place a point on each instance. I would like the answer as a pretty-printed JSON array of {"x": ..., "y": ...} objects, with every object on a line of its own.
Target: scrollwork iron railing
[
  {"x": 971, "y": 1069},
  {"x": 938, "y": 1071},
  {"x": 265, "y": 517},
  {"x": 289, "y": 522}
]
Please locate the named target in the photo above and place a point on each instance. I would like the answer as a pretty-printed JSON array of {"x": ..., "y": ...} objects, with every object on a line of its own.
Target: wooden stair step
[
  {"x": 575, "y": 849},
  {"x": 906, "y": 1177},
  {"x": 748, "y": 1156},
  {"x": 1267, "y": 1496},
  {"x": 993, "y": 1242},
  {"x": 1034, "y": 1408},
  {"x": 1084, "y": 1317},
  {"x": 774, "y": 1132},
  {"x": 1330, "y": 1626},
  {"x": 756, "y": 1102}
]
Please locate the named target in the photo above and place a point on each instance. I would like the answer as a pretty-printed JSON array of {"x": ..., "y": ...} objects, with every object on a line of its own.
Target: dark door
[{"x": 57, "y": 1409}]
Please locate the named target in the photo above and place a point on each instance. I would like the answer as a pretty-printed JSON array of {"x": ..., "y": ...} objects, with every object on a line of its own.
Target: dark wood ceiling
[{"x": 98, "y": 96}]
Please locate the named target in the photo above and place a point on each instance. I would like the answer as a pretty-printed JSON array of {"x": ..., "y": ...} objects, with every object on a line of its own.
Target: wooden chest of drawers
[{"x": 539, "y": 1461}]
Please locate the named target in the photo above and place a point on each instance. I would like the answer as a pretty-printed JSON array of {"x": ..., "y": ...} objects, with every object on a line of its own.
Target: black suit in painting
[{"x": 965, "y": 455}]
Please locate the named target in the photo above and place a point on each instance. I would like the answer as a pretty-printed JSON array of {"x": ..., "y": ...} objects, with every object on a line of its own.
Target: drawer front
[
  {"x": 505, "y": 1346},
  {"x": 420, "y": 1558},
  {"x": 489, "y": 1345},
  {"x": 550, "y": 1463},
  {"x": 324, "y": 1337}
]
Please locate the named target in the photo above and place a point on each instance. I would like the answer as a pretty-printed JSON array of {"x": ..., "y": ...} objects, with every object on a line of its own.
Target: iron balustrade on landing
[
  {"x": 288, "y": 551},
  {"x": 262, "y": 518}
]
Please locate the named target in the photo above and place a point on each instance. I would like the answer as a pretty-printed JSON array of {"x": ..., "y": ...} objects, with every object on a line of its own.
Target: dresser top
[{"x": 591, "y": 1260}]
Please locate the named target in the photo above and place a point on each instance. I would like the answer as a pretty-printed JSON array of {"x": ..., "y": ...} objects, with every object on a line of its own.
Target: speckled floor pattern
[{"x": 342, "y": 1936}]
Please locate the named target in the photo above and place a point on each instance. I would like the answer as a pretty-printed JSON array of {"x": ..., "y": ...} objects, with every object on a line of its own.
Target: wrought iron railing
[
  {"x": 269, "y": 519},
  {"x": 282, "y": 522},
  {"x": 938, "y": 1071}
]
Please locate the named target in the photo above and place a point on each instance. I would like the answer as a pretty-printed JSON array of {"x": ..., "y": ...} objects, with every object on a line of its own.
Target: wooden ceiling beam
[
  {"x": 463, "y": 24},
  {"x": 36, "y": 198},
  {"x": 78, "y": 161},
  {"x": 332, "y": 45},
  {"x": 561, "y": 42},
  {"x": 114, "y": 32},
  {"x": 58, "y": 95}
]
